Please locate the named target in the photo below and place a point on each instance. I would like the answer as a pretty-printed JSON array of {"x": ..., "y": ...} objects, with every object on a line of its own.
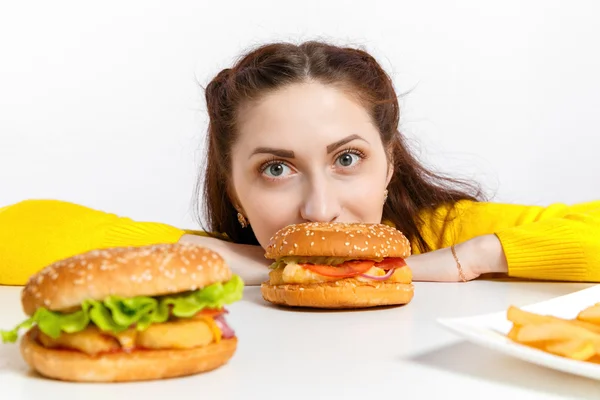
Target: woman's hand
[
  {"x": 478, "y": 256},
  {"x": 247, "y": 261}
]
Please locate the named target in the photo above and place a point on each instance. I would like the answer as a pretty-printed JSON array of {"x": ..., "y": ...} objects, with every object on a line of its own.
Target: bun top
[
  {"x": 348, "y": 240},
  {"x": 123, "y": 271}
]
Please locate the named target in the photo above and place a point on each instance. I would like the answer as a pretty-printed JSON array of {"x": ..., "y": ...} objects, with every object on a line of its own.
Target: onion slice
[
  {"x": 380, "y": 278},
  {"x": 226, "y": 330}
]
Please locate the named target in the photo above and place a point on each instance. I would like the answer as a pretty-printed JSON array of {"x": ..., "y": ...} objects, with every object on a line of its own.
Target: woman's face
[{"x": 307, "y": 153}]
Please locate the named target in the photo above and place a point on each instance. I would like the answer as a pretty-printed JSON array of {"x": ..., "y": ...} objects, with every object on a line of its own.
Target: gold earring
[
  {"x": 385, "y": 196},
  {"x": 242, "y": 220}
]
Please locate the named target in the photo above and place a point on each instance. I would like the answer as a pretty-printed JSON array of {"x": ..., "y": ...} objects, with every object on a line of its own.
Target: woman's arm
[
  {"x": 36, "y": 233},
  {"x": 478, "y": 256},
  {"x": 557, "y": 242},
  {"x": 247, "y": 261}
]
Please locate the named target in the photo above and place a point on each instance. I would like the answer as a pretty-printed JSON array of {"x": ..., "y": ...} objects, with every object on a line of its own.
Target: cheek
[
  {"x": 363, "y": 197},
  {"x": 365, "y": 204},
  {"x": 267, "y": 210}
]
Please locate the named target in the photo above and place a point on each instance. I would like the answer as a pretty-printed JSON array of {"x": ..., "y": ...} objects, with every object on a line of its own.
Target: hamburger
[
  {"x": 338, "y": 265},
  {"x": 129, "y": 314}
]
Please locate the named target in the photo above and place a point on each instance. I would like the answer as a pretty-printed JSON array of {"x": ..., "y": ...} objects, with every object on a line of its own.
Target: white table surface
[{"x": 395, "y": 353}]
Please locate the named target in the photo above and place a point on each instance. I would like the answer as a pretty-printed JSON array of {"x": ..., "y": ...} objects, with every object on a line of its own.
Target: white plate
[{"x": 489, "y": 330}]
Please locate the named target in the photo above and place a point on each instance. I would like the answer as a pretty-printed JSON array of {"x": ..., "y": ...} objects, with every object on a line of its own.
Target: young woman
[{"x": 310, "y": 133}]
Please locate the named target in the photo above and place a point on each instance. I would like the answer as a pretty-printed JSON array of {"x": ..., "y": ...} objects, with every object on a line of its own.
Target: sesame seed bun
[
  {"x": 122, "y": 367},
  {"x": 348, "y": 240},
  {"x": 124, "y": 271},
  {"x": 340, "y": 294}
]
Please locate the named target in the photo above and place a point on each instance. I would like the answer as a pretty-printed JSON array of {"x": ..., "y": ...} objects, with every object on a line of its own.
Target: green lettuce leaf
[{"x": 116, "y": 314}]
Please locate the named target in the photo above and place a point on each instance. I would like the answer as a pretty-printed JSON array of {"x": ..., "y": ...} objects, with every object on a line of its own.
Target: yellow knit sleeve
[
  {"x": 36, "y": 233},
  {"x": 558, "y": 242}
]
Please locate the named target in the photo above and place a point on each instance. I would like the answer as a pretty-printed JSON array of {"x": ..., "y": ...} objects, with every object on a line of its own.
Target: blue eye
[
  {"x": 348, "y": 159},
  {"x": 275, "y": 169}
]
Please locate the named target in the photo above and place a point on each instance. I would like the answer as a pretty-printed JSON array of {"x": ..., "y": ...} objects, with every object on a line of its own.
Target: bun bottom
[
  {"x": 338, "y": 294},
  {"x": 142, "y": 365}
]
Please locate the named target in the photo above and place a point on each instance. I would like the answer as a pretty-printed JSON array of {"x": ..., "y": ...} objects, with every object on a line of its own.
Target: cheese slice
[{"x": 217, "y": 334}]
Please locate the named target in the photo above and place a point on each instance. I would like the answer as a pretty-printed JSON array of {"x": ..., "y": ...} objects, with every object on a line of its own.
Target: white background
[{"x": 101, "y": 104}]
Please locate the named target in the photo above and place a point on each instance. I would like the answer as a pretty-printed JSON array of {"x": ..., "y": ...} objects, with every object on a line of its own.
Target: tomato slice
[
  {"x": 345, "y": 270},
  {"x": 391, "y": 262}
]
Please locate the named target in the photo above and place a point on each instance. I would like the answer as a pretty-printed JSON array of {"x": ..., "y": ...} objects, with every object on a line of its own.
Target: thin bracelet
[{"x": 460, "y": 270}]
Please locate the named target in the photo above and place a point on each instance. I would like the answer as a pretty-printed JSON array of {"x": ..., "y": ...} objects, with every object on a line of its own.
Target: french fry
[
  {"x": 595, "y": 359},
  {"x": 581, "y": 350},
  {"x": 590, "y": 314},
  {"x": 514, "y": 332},
  {"x": 555, "y": 331},
  {"x": 522, "y": 317}
]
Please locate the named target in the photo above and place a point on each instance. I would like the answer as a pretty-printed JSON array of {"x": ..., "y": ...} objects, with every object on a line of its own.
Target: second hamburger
[
  {"x": 129, "y": 314},
  {"x": 338, "y": 265}
]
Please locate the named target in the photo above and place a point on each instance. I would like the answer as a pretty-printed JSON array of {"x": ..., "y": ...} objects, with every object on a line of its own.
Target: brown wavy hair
[{"x": 413, "y": 188}]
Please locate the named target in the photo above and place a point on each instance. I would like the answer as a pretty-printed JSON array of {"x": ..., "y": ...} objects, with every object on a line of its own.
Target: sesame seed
[{"x": 312, "y": 243}]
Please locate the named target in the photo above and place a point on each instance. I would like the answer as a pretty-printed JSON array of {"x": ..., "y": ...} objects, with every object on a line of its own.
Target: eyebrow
[
  {"x": 341, "y": 142},
  {"x": 276, "y": 152},
  {"x": 290, "y": 154}
]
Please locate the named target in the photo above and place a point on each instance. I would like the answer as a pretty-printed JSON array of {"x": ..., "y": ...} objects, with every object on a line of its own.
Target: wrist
[{"x": 489, "y": 255}]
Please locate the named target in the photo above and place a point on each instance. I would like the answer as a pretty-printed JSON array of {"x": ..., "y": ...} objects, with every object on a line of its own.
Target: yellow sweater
[{"x": 558, "y": 242}]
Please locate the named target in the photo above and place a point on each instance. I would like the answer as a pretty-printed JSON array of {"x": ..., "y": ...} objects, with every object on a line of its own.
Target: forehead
[{"x": 302, "y": 111}]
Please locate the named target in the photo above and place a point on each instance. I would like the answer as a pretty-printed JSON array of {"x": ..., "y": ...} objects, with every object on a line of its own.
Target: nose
[{"x": 320, "y": 204}]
